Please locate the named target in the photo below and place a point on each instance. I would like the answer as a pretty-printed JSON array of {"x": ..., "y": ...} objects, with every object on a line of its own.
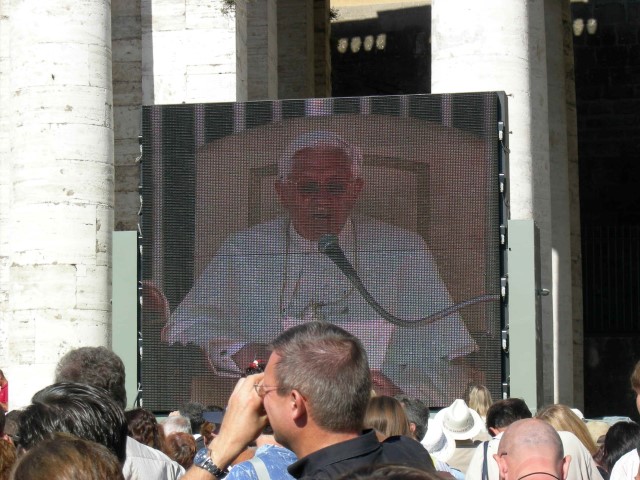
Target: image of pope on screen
[{"x": 272, "y": 276}]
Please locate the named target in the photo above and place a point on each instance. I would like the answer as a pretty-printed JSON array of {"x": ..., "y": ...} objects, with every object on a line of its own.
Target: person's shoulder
[
  {"x": 572, "y": 444},
  {"x": 626, "y": 467},
  {"x": 631, "y": 458},
  {"x": 276, "y": 451},
  {"x": 276, "y": 459},
  {"x": 402, "y": 448},
  {"x": 144, "y": 458},
  {"x": 242, "y": 471}
]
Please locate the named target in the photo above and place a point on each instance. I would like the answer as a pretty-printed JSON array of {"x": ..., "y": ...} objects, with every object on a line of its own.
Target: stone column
[
  {"x": 257, "y": 50},
  {"x": 295, "y": 49},
  {"x": 502, "y": 45},
  {"x": 126, "y": 45},
  {"x": 56, "y": 240},
  {"x": 565, "y": 218},
  {"x": 322, "y": 48}
]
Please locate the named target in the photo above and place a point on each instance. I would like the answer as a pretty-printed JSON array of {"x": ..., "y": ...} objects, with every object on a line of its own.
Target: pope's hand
[
  {"x": 244, "y": 357},
  {"x": 382, "y": 385}
]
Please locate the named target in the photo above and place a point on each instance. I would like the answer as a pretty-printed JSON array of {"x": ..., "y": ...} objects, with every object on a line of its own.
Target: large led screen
[{"x": 378, "y": 214}]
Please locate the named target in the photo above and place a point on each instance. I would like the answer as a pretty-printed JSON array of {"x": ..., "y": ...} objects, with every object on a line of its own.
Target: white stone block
[
  {"x": 64, "y": 182},
  {"x": 168, "y": 15},
  {"x": 27, "y": 379},
  {"x": 78, "y": 104},
  {"x": 92, "y": 21},
  {"x": 35, "y": 287},
  {"x": 21, "y": 348},
  {"x": 104, "y": 230},
  {"x": 211, "y": 87},
  {"x": 169, "y": 89},
  {"x": 64, "y": 330},
  {"x": 48, "y": 234},
  {"x": 203, "y": 14},
  {"x": 93, "y": 287}
]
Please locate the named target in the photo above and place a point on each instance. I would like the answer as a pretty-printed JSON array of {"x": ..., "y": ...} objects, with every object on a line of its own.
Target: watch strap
[{"x": 203, "y": 460}]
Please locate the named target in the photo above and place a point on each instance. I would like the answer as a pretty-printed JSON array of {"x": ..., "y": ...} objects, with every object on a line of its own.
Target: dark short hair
[
  {"x": 66, "y": 457},
  {"x": 504, "y": 412},
  {"x": 329, "y": 367},
  {"x": 11, "y": 422},
  {"x": 96, "y": 366},
  {"x": 417, "y": 413},
  {"x": 81, "y": 410},
  {"x": 621, "y": 438}
]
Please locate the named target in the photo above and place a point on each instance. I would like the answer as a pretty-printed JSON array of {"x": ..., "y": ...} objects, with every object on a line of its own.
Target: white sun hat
[
  {"x": 460, "y": 421},
  {"x": 438, "y": 442}
]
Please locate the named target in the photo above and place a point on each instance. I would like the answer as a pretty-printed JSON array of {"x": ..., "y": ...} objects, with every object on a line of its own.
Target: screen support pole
[{"x": 524, "y": 346}]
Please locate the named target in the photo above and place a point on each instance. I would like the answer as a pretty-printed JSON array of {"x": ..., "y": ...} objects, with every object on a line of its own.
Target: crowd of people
[{"x": 312, "y": 413}]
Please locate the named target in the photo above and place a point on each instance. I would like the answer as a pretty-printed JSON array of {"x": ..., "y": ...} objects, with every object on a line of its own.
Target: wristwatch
[{"x": 203, "y": 460}]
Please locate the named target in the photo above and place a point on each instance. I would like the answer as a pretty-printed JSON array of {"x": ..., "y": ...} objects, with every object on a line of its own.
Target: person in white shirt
[
  {"x": 499, "y": 416},
  {"x": 531, "y": 449},
  {"x": 271, "y": 277},
  {"x": 628, "y": 467}
]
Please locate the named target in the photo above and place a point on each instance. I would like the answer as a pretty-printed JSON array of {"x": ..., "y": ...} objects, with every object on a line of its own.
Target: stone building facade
[{"x": 73, "y": 78}]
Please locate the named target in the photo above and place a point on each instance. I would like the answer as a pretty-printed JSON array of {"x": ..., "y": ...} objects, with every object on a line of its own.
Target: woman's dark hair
[
  {"x": 143, "y": 427},
  {"x": 81, "y": 410},
  {"x": 621, "y": 438}
]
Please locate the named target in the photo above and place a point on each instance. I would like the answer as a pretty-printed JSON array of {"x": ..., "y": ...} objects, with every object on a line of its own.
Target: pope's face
[{"x": 320, "y": 192}]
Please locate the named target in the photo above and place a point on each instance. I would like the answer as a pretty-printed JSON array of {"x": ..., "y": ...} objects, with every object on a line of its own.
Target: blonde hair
[
  {"x": 480, "y": 399},
  {"x": 562, "y": 418},
  {"x": 386, "y": 415}
]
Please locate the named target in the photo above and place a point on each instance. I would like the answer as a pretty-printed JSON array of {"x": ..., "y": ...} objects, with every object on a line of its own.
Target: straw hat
[{"x": 598, "y": 429}]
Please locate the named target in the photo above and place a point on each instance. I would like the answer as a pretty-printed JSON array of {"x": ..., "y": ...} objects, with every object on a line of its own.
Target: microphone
[{"x": 328, "y": 245}]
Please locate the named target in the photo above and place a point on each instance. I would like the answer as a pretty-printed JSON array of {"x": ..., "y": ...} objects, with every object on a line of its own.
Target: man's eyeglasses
[
  {"x": 309, "y": 187},
  {"x": 262, "y": 390}
]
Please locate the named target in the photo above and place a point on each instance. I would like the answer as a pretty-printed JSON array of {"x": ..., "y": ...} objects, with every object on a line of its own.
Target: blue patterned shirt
[{"x": 275, "y": 458}]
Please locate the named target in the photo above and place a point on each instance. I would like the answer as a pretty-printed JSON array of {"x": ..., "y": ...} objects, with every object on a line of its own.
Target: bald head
[{"x": 531, "y": 448}]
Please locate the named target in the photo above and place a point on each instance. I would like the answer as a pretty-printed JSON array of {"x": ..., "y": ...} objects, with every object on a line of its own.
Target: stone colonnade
[{"x": 65, "y": 123}]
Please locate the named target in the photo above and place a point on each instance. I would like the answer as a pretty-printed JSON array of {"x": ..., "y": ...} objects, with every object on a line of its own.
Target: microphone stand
[{"x": 329, "y": 246}]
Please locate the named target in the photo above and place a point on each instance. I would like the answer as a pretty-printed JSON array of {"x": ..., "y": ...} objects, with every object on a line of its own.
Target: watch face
[{"x": 202, "y": 456}]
